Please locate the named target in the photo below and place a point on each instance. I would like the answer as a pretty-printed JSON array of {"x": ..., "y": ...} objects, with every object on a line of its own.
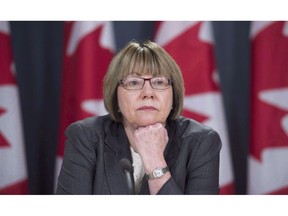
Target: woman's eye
[
  {"x": 159, "y": 82},
  {"x": 134, "y": 82}
]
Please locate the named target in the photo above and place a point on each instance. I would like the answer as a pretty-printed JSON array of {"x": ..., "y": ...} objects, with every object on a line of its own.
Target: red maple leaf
[
  {"x": 269, "y": 71},
  {"x": 195, "y": 58},
  {"x": 83, "y": 74},
  {"x": 192, "y": 49}
]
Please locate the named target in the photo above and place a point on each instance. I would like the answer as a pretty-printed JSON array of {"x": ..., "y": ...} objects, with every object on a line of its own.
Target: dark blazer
[{"x": 95, "y": 146}]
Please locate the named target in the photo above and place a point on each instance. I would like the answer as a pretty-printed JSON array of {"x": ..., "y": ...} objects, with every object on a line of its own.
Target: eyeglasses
[{"x": 136, "y": 83}]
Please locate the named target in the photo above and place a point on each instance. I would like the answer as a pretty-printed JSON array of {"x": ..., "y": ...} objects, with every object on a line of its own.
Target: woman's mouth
[{"x": 147, "y": 108}]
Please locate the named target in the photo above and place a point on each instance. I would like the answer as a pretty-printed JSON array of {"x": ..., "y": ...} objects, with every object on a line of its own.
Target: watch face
[{"x": 158, "y": 172}]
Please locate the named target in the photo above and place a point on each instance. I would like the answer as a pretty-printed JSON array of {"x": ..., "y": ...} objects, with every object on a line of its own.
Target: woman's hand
[{"x": 150, "y": 142}]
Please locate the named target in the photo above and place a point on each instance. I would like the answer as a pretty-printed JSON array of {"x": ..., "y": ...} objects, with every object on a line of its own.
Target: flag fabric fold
[
  {"x": 13, "y": 173},
  {"x": 89, "y": 47},
  {"x": 191, "y": 45},
  {"x": 268, "y": 158}
]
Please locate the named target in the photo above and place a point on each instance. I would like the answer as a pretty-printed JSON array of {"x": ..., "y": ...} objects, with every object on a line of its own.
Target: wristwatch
[{"x": 157, "y": 173}]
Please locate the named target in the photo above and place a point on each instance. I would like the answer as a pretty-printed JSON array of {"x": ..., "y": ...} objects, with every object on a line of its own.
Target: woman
[{"x": 170, "y": 154}]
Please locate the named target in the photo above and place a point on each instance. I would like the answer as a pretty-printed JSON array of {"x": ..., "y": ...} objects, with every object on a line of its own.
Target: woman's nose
[{"x": 147, "y": 90}]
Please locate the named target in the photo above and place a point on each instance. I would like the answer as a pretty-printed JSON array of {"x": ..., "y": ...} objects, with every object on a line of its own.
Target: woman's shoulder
[
  {"x": 93, "y": 121},
  {"x": 192, "y": 131},
  {"x": 189, "y": 125},
  {"x": 93, "y": 124}
]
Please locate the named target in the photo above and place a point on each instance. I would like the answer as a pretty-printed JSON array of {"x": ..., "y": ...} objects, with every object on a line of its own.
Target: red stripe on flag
[
  {"x": 269, "y": 109},
  {"x": 83, "y": 73}
]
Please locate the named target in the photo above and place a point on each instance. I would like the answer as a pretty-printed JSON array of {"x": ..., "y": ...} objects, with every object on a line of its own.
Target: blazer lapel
[
  {"x": 116, "y": 148},
  {"x": 173, "y": 147}
]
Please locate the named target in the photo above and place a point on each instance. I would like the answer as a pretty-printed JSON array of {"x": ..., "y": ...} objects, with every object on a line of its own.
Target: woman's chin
[{"x": 147, "y": 122}]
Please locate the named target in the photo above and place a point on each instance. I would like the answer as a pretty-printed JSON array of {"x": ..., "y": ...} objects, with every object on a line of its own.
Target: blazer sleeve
[
  {"x": 202, "y": 169},
  {"x": 77, "y": 171},
  {"x": 203, "y": 176}
]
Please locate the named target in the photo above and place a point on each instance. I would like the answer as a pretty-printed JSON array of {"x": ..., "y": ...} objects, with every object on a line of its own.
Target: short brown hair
[{"x": 144, "y": 58}]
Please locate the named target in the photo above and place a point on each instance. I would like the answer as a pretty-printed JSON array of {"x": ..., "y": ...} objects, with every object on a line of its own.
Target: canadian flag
[
  {"x": 89, "y": 48},
  {"x": 191, "y": 45},
  {"x": 13, "y": 173},
  {"x": 268, "y": 160}
]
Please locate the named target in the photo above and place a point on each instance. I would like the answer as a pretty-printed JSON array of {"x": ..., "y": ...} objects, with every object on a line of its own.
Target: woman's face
[{"x": 145, "y": 106}]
